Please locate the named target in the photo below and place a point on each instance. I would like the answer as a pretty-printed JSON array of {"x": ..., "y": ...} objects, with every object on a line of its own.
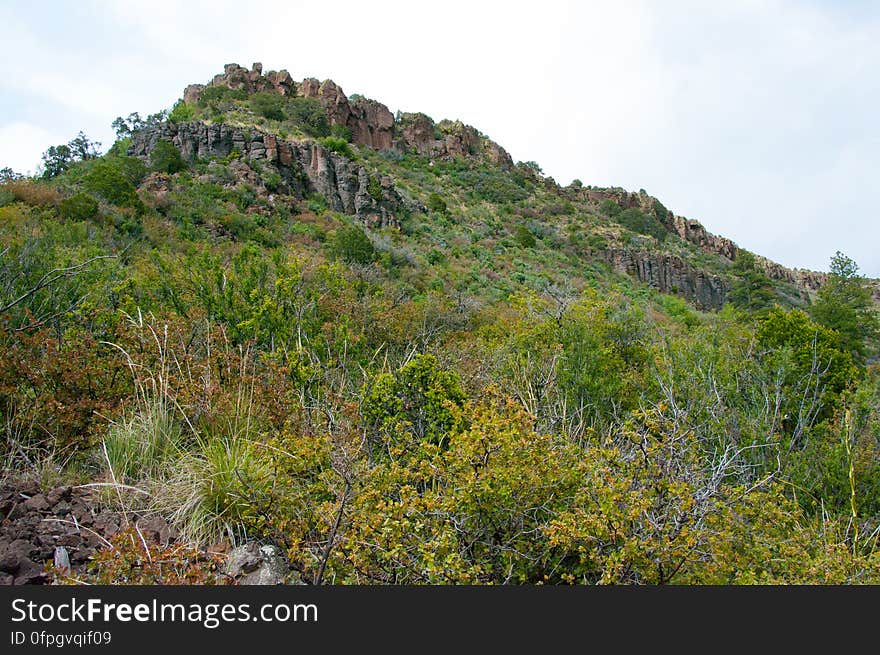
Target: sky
[{"x": 756, "y": 117}]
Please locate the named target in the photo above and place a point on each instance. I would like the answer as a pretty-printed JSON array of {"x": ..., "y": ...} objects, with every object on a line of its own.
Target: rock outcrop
[
  {"x": 305, "y": 167},
  {"x": 805, "y": 281},
  {"x": 418, "y": 133},
  {"x": 669, "y": 274},
  {"x": 370, "y": 122},
  {"x": 239, "y": 78}
]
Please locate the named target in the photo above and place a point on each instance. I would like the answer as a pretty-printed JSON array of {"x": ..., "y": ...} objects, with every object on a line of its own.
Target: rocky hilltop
[
  {"x": 371, "y": 123},
  {"x": 305, "y": 166}
]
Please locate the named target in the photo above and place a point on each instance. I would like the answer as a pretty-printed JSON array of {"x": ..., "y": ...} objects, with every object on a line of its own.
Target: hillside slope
[{"x": 382, "y": 349}]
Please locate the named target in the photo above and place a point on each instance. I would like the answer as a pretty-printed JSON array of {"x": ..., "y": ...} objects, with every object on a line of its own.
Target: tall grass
[{"x": 200, "y": 473}]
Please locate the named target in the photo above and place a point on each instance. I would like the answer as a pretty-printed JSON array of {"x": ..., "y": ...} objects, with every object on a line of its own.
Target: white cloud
[
  {"x": 21, "y": 145},
  {"x": 754, "y": 117}
]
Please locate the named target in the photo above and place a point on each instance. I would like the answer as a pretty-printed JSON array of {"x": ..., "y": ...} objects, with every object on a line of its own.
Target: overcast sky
[{"x": 757, "y": 118}]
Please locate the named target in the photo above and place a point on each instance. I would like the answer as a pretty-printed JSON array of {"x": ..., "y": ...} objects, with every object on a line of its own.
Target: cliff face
[
  {"x": 669, "y": 274},
  {"x": 692, "y": 231},
  {"x": 304, "y": 167}
]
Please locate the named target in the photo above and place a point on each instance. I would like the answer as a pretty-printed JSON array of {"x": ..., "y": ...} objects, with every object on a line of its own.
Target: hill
[{"x": 374, "y": 342}]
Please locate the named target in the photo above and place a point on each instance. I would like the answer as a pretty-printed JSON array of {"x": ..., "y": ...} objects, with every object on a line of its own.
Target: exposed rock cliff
[
  {"x": 693, "y": 232},
  {"x": 370, "y": 122},
  {"x": 305, "y": 167},
  {"x": 669, "y": 274}
]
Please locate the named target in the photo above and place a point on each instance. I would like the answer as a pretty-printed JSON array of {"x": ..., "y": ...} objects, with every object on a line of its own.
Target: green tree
[
  {"x": 353, "y": 245},
  {"x": 752, "y": 290},
  {"x": 845, "y": 305},
  {"x": 166, "y": 158}
]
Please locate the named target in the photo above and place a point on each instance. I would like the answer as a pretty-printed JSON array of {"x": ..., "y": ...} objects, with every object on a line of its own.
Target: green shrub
[
  {"x": 374, "y": 189},
  {"x": 437, "y": 204},
  {"x": 524, "y": 237},
  {"x": 309, "y": 115},
  {"x": 272, "y": 181},
  {"x": 610, "y": 207},
  {"x": 217, "y": 96},
  {"x": 636, "y": 221},
  {"x": 181, "y": 112},
  {"x": 268, "y": 105},
  {"x": 418, "y": 399},
  {"x": 166, "y": 158},
  {"x": 78, "y": 207},
  {"x": 337, "y": 145},
  {"x": 108, "y": 180},
  {"x": 353, "y": 245},
  {"x": 341, "y": 132}
]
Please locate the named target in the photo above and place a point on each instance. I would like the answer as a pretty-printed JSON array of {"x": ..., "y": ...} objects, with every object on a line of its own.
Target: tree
[
  {"x": 419, "y": 399},
  {"x": 752, "y": 290},
  {"x": 8, "y": 175},
  {"x": 57, "y": 159},
  {"x": 82, "y": 148},
  {"x": 166, "y": 158},
  {"x": 845, "y": 305},
  {"x": 353, "y": 245},
  {"x": 125, "y": 127}
]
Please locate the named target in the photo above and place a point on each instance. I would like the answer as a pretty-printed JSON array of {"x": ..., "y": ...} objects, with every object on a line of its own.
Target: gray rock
[
  {"x": 304, "y": 167},
  {"x": 252, "y": 564}
]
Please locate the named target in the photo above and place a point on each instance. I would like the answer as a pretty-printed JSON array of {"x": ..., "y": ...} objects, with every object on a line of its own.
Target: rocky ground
[{"x": 67, "y": 525}]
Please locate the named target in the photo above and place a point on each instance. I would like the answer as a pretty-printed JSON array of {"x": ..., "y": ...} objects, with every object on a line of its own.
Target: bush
[
  {"x": 108, "y": 181},
  {"x": 524, "y": 237},
  {"x": 353, "y": 245},
  {"x": 610, "y": 207},
  {"x": 341, "y": 132},
  {"x": 437, "y": 204},
  {"x": 268, "y": 105},
  {"x": 78, "y": 207},
  {"x": 166, "y": 158},
  {"x": 337, "y": 145},
  {"x": 309, "y": 115},
  {"x": 418, "y": 399},
  {"x": 216, "y": 96},
  {"x": 638, "y": 222},
  {"x": 374, "y": 189},
  {"x": 181, "y": 112}
]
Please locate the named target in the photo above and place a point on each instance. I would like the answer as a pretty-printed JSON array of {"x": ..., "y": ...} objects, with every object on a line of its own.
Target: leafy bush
[
  {"x": 610, "y": 207},
  {"x": 268, "y": 105},
  {"x": 353, "y": 245},
  {"x": 108, "y": 180},
  {"x": 309, "y": 115},
  {"x": 340, "y": 132},
  {"x": 181, "y": 112},
  {"x": 337, "y": 145},
  {"x": 638, "y": 222},
  {"x": 374, "y": 189},
  {"x": 217, "y": 96},
  {"x": 419, "y": 399},
  {"x": 78, "y": 207},
  {"x": 524, "y": 237},
  {"x": 437, "y": 204},
  {"x": 166, "y": 158}
]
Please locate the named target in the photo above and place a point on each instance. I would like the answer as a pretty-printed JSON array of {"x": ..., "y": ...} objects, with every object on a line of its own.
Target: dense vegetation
[{"x": 473, "y": 397}]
